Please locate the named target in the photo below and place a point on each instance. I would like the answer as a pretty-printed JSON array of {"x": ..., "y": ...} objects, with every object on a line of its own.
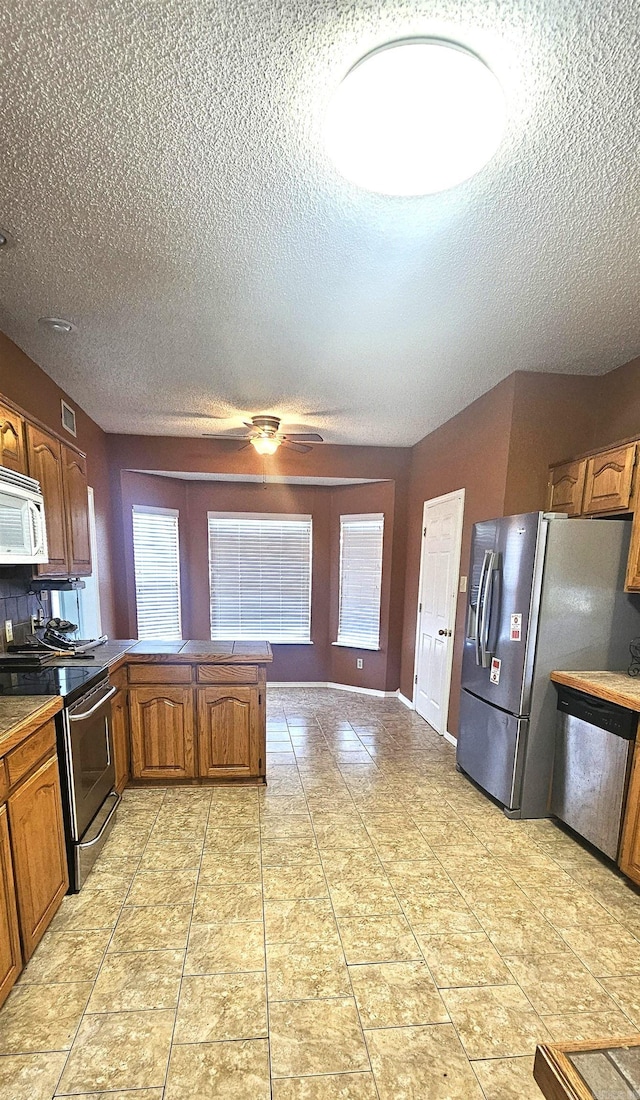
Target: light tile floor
[{"x": 369, "y": 926}]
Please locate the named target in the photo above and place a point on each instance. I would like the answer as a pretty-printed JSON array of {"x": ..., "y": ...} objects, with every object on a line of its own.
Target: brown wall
[
  {"x": 23, "y": 382},
  {"x": 318, "y": 662},
  {"x": 469, "y": 452},
  {"x": 617, "y": 413}
]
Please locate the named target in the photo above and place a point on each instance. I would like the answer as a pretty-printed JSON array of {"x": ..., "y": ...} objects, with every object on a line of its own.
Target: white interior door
[{"x": 439, "y": 568}]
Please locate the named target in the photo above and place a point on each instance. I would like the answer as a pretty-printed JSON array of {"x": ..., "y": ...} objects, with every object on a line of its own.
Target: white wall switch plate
[
  {"x": 8, "y": 630},
  {"x": 463, "y": 584},
  {"x": 359, "y": 662}
]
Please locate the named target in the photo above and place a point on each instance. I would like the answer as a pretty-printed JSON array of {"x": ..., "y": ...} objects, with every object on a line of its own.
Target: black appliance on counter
[{"x": 85, "y": 751}]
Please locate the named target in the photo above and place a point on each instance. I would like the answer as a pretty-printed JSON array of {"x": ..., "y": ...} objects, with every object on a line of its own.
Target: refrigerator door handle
[
  {"x": 488, "y": 554},
  {"x": 485, "y": 614}
]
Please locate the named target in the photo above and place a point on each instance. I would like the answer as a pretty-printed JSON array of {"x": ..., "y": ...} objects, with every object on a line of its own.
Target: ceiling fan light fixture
[
  {"x": 265, "y": 444},
  {"x": 415, "y": 117}
]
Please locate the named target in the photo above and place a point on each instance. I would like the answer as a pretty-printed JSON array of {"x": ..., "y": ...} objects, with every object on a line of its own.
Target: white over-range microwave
[{"x": 23, "y": 533}]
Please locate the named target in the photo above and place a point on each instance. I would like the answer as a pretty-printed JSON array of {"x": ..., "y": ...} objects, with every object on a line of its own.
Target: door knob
[{"x": 445, "y": 633}]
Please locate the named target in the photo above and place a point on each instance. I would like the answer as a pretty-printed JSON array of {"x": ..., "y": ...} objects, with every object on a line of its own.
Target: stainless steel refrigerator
[{"x": 545, "y": 593}]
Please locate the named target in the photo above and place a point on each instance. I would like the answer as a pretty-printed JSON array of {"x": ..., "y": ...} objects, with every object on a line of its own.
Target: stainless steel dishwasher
[{"x": 594, "y": 749}]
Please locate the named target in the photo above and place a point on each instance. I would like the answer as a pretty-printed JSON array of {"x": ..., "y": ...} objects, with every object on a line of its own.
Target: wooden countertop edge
[
  {"x": 584, "y": 681},
  {"x": 23, "y": 728},
  {"x": 187, "y": 659}
]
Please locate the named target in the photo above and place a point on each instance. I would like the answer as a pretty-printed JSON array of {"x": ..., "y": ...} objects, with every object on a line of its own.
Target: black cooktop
[{"x": 69, "y": 681}]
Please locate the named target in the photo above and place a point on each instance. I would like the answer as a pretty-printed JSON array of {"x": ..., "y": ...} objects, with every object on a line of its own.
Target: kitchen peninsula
[{"x": 188, "y": 711}]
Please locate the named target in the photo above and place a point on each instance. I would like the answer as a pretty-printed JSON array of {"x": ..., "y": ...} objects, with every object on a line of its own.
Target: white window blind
[
  {"x": 260, "y": 576},
  {"x": 360, "y": 580},
  {"x": 157, "y": 570}
]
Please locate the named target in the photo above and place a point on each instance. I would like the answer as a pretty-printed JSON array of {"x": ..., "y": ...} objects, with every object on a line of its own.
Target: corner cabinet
[
  {"x": 609, "y": 481},
  {"x": 162, "y": 732}
]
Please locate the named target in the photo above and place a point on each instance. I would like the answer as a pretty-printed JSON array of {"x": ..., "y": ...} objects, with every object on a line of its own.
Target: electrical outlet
[
  {"x": 33, "y": 623},
  {"x": 8, "y": 630},
  {"x": 463, "y": 584},
  {"x": 359, "y": 662}
]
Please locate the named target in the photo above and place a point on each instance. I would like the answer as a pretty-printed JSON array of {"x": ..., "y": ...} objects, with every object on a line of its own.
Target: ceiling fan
[{"x": 266, "y": 437}]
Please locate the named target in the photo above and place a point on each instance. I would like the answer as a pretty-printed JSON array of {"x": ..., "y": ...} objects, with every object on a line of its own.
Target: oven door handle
[
  {"x": 95, "y": 839},
  {"x": 94, "y": 708}
]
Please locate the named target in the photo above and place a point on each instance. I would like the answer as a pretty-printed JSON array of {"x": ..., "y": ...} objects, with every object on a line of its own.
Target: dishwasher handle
[{"x": 598, "y": 712}]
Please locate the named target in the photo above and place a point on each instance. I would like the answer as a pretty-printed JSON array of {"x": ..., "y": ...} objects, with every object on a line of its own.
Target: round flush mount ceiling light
[
  {"x": 57, "y": 324},
  {"x": 415, "y": 117}
]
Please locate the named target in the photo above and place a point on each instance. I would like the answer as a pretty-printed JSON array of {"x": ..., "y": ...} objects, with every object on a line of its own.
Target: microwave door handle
[
  {"x": 479, "y": 608},
  {"x": 485, "y": 621},
  {"x": 37, "y": 526}
]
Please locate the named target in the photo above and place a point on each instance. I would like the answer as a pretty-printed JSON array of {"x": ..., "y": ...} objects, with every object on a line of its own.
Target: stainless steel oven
[{"x": 88, "y": 778}]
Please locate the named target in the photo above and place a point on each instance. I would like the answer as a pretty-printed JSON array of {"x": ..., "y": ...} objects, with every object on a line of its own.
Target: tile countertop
[
  {"x": 117, "y": 652},
  {"x": 21, "y": 715},
  {"x": 614, "y": 687}
]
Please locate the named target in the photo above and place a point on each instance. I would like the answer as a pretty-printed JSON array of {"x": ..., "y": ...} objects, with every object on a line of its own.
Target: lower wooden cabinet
[
  {"x": 629, "y": 859},
  {"x": 120, "y": 738},
  {"x": 10, "y": 954},
  {"x": 229, "y": 743},
  {"x": 39, "y": 851},
  {"x": 162, "y": 732}
]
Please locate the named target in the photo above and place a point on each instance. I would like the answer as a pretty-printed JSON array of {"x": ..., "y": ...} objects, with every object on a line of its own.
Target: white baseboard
[
  {"x": 403, "y": 699},
  {"x": 329, "y": 684},
  {"x": 449, "y": 737}
]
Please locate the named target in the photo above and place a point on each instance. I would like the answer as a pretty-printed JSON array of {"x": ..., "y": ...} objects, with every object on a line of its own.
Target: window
[
  {"x": 157, "y": 570},
  {"x": 260, "y": 576},
  {"x": 360, "y": 580}
]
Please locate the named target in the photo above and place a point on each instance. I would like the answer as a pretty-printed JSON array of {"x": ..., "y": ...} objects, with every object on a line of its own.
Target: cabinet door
[
  {"x": 45, "y": 464},
  {"x": 12, "y": 450},
  {"x": 566, "y": 487},
  {"x": 629, "y": 860},
  {"x": 162, "y": 733},
  {"x": 120, "y": 735},
  {"x": 39, "y": 851},
  {"x": 229, "y": 731},
  {"x": 609, "y": 480},
  {"x": 10, "y": 957},
  {"x": 632, "y": 582},
  {"x": 76, "y": 501}
]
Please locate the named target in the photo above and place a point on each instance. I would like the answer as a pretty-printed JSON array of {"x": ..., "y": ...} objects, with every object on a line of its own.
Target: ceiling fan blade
[
  {"x": 304, "y": 437},
  {"x": 302, "y": 450}
]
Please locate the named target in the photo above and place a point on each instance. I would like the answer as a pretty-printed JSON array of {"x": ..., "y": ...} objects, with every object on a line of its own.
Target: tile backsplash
[{"x": 17, "y": 604}]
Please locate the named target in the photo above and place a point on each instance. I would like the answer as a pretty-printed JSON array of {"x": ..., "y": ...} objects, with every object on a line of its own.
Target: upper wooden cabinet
[
  {"x": 62, "y": 473},
  {"x": 162, "y": 739},
  {"x": 76, "y": 500},
  {"x": 609, "y": 481},
  {"x": 45, "y": 464},
  {"x": 229, "y": 732},
  {"x": 12, "y": 450},
  {"x": 566, "y": 487}
]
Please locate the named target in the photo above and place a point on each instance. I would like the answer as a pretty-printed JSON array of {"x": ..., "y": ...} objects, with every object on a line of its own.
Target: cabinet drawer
[
  {"x": 159, "y": 674},
  {"x": 119, "y": 679},
  {"x": 227, "y": 674},
  {"x": 41, "y": 743}
]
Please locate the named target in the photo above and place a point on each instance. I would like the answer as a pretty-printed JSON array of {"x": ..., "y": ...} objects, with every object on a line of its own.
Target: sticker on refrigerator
[
  {"x": 515, "y": 631},
  {"x": 494, "y": 675}
]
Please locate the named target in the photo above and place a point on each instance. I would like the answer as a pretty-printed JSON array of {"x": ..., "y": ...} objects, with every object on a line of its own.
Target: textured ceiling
[{"x": 164, "y": 186}]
